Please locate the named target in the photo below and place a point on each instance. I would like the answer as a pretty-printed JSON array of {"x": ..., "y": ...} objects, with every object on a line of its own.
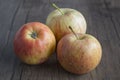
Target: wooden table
[{"x": 103, "y": 21}]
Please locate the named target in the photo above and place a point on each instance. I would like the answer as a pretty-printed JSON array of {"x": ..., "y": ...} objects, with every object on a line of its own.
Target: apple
[
  {"x": 80, "y": 53},
  {"x": 34, "y": 42},
  {"x": 59, "y": 20}
]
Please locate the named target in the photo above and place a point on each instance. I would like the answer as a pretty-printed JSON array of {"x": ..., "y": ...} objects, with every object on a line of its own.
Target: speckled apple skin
[
  {"x": 34, "y": 51},
  {"x": 79, "y": 56}
]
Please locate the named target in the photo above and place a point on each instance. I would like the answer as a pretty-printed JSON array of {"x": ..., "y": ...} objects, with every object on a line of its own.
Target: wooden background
[{"x": 102, "y": 16}]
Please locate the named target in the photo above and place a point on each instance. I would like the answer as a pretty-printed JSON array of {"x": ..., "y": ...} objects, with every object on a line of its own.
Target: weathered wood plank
[
  {"x": 113, "y": 3},
  {"x": 110, "y": 62},
  {"x": 7, "y": 11},
  {"x": 7, "y": 18}
]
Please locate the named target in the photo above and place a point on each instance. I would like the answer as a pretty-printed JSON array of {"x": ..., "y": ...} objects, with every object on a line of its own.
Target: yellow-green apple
[
  {"x": 79, "y": 54},
  {"x": 34, "y": 42},
  {"x": 59, "y": 20}
]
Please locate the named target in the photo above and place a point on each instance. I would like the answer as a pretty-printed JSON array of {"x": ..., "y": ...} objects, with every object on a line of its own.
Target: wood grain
[{"x": 103, "y": 21}]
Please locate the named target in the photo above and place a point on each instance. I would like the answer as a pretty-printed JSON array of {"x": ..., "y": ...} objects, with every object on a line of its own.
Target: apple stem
[
  {"x": 73, "y": 32},
  {"x": 55, "y": 6}
]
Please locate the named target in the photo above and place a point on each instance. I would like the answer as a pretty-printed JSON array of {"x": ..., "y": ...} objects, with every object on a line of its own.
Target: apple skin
[
  {"x": 59, "y": 23},
  {"x": 79, "y": 56},
  {"x": 34, "y": 48}
]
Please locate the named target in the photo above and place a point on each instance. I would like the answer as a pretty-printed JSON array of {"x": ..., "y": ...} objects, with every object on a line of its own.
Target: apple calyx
[
  {"x": 73, "y": 32},
  {"x": 33, "y": 35},
  {"x": 56, "y": 7}
]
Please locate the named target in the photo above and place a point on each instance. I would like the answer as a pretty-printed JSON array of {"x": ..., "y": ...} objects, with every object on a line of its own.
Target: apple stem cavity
[
  {"x": 73, "y": 32},
  {"x": 83, "y": 37},
  {"x": 33, "y": 35},
  {"x": 56, "y": 7}
]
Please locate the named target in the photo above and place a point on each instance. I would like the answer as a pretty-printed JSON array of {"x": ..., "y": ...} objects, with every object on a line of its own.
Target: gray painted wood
[{"x": 103, "y": 22}]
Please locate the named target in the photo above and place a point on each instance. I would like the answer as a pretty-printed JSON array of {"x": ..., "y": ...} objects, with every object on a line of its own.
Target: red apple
[
  {"x": 34, "y": 42},
  {"x": 79, "y": 55},
  {"x": 59, "y": 20}
]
